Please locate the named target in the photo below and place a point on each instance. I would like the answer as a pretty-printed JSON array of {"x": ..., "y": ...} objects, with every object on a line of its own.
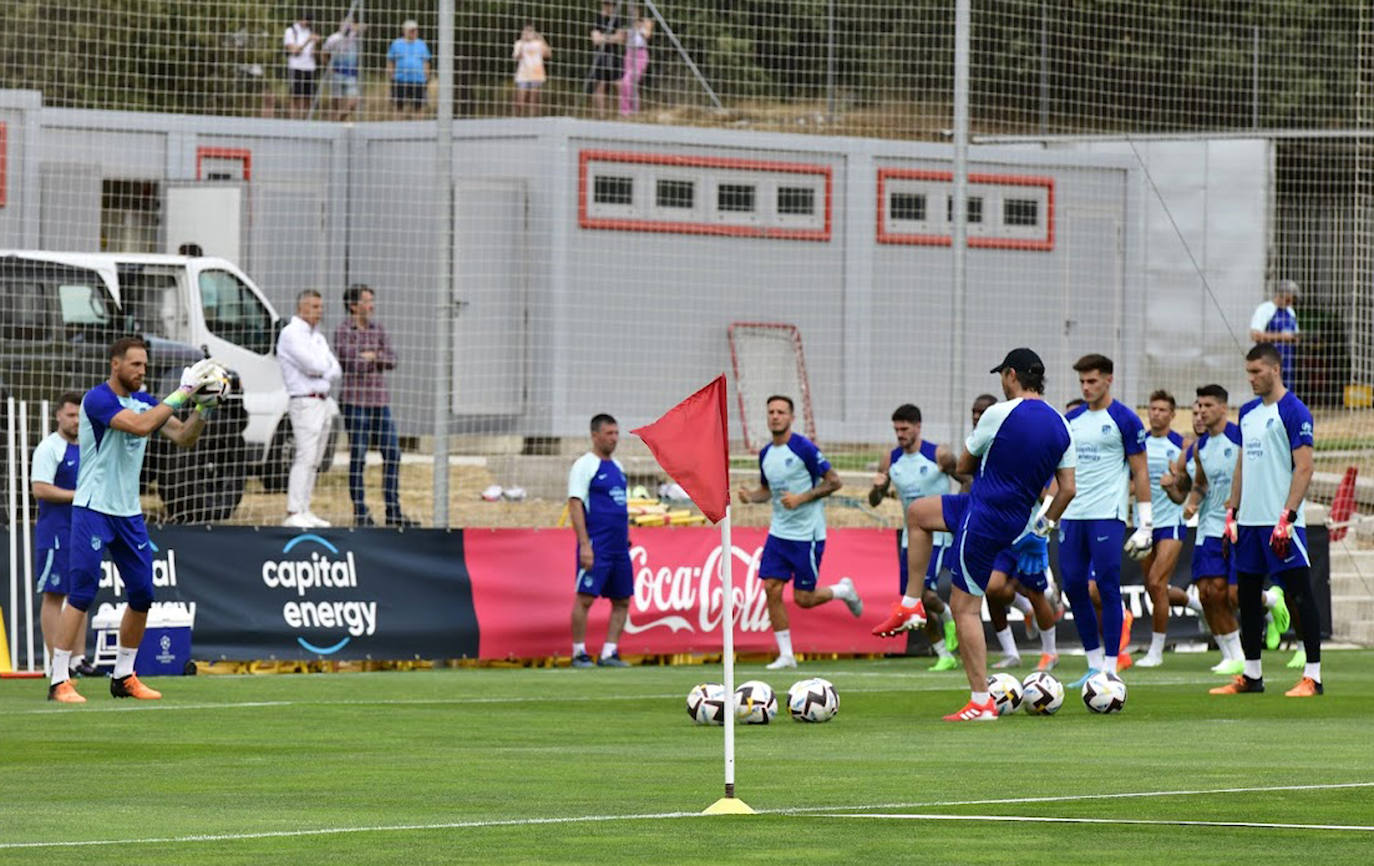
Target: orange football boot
[
  {"x": 131, "y": 687},
  {"x": 65, "y": 693},
  {"x": 1306, "y": 688},
  {"x": 1239, "y": 685}
]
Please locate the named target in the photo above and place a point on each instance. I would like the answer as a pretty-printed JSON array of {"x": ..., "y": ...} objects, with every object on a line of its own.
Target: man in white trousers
[{"x": 309, "y": 371}]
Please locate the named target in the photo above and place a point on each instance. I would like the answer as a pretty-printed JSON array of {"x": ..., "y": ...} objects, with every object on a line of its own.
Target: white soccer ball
[
  {"x": 1006, "y": 693},
  {"x": 755, "y": 703},
  {"x": 211, "y": 393},
  {"x": 1042, "y": 694},
  {"x": 1104, "y": 693},
  {"x": 706, "y": 704},
  {"x": 813, "y": 700}
]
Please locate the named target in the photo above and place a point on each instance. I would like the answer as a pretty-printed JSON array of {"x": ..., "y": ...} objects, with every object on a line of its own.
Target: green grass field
[{"x": 597, "y": 766}]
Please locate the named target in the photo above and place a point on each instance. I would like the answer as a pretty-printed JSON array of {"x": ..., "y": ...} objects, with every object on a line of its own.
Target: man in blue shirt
[
  {"x": 1276, "y": 322},
  {"x": 1017, "y": 447},
  {"x": 55, "y": 463},
  {"x": 116, "y": 418},
  {"x": 601, "y": 520},
  {"x": 795, "y": 477},
  {"x": 1265, "y": 522},
  {"x": 1110, "y": 441},
  {"x": 407, "y": 64},
  {"x": 918, "y": 468}
]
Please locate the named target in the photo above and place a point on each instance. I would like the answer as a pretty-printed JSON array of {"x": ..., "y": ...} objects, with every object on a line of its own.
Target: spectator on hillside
[
  {"x": 365, "y": 353},
  {"x": 636, "y": 61},
  {"x": 300, "y": 43},
  {"x": 530, "y": 53},
  {"x": 606, "y": 65},
  {"x": 407, "y": 65},
  {"x": 342, "y": 50}
]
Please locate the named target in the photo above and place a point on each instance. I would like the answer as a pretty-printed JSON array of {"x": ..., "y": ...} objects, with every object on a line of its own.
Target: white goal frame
[{"x": 753, "y": 385}]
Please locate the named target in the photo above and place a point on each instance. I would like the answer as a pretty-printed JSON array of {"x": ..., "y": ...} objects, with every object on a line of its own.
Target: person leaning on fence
[
  {"x": 364, "y": 352},
  {"x": 407, "y": 64},
  {"x": 56, "y": 462},
  {"x": 308, "y": 369},
  {"x": 300, "y": 43}
]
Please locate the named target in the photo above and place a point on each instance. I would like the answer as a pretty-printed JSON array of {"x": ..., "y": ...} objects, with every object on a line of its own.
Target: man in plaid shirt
[{"x": 364, "y": 352}]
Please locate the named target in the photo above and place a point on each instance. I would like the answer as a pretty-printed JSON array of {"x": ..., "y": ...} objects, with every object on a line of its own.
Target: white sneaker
[
  {"x": 299, "y": 520},
  {"x": 851, "y": 597},
  {"x": 781, "y": 662},
  {"x": 316, "y": 520},
  {"x": 1150, "y": 660},
  {"x": 1007, "y": 662}
]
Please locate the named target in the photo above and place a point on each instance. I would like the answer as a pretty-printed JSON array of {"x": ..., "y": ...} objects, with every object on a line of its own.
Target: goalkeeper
[{"x": 116, "y": 420}]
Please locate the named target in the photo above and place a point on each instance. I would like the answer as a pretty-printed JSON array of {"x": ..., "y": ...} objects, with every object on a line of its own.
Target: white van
[{"x": 206, "y": 302}]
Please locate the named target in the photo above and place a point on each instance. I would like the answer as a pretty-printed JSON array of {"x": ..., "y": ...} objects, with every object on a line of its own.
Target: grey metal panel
[{"x": 70, "y": 205}]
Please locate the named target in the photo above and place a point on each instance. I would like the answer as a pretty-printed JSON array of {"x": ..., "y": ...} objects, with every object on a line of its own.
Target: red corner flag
[{"x": 692, "y": 445}]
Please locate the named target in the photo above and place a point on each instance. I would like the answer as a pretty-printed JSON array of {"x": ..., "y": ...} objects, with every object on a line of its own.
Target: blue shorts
[
  {"x": 1177, "y": 532},
  {"x": 1091, "y": 550},
  {"x": 797, "y": 561},
  {"x": 1252, "y": 554},
  {"x": 130, "y": 549},
  {"x": 933, "y": 569},
  {"x": 52, "y": 571},
  {"x": 978, "y": 538},
  {"x": 1208, "y": 561},
  {"x": 1006, "y": 563},
  {"x": 611, "y": 576}
]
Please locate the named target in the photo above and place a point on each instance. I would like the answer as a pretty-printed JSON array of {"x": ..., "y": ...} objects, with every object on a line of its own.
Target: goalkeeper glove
[
  {"x": 1139, "y": 544},
  {"x": 1032, "y": 553},
  {"x": 1043, "y": 526},
  {"x": 1230, "y": 533},
  {"x": 1280, "y": 538}
]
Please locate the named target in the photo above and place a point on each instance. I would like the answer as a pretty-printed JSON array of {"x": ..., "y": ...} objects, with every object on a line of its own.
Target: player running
[
  {"x": 1265, "y": 521},
  {"x": 1110, "y": 441},
  {"x": 1162, "y": 447},
  {"x": 1015, "y": 449},
  {"x": 116, "y": 419},
  {"x": 919, "y": 468},
  {"x": 796, "y": 477}
]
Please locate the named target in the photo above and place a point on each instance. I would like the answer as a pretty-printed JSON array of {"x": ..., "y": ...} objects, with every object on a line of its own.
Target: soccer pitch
[{"x": 603, "y": 765}]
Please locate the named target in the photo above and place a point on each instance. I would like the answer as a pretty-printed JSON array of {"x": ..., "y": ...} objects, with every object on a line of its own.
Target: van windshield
[
  {"x": 153, "y": 299},
  {"x": 234, "y": 313}
]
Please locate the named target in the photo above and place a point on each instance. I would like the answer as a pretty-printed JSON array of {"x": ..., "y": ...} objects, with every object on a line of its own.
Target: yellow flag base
[{"x": 728, "y": 806}]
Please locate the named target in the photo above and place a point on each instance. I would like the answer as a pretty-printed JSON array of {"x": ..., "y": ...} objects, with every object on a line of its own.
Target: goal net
[{"x": 768, "y": 361}]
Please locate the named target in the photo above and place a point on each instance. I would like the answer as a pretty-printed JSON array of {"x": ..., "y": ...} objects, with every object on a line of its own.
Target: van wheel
[{"x": 204, "y": 484}]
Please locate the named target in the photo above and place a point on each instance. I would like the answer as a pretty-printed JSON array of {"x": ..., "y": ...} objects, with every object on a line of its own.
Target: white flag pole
[{"x": 729, "y": 804}]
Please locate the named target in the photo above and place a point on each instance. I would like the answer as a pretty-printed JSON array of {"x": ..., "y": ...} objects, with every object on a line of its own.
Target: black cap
[{"x": 1021, "y": 360}]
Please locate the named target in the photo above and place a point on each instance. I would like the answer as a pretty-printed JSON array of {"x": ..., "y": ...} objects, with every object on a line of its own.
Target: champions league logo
[{"x": 327, "y": 571}]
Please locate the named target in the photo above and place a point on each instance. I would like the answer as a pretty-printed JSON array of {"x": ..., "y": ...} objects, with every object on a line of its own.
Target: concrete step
[
  {"x": 1360, "y": 632},
  {"x": 1352, "y": 584},
  {"x": 1352, "y": 608},
  {"x": 1348, "y": 560}
]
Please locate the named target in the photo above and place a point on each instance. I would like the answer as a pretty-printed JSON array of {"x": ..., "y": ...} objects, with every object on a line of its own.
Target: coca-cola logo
[{"x": 690, "y": 598}]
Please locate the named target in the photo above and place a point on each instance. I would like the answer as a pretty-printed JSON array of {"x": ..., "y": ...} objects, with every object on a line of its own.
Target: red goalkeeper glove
[
  {"x": 1230, "y": 533},
  {"x": 1281, "y": 537}
]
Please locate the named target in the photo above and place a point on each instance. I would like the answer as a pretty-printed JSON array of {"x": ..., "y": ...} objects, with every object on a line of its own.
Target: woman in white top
[
  {"x": 636, "y": 62},
  {"x": 530, "y": 53}
]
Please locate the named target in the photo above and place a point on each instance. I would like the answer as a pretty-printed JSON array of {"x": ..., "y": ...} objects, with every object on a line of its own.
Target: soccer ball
[
  {"x": 1042, "y": 694},
  {"x": 1104, "y": 693},
  {"x": 813, "y": 700},
  {"x": 1006, "y": 693},
  {"x": 706, "y": 704},
  {"x": 211, "y": 393},
  {"x": 755, "y": 703}
]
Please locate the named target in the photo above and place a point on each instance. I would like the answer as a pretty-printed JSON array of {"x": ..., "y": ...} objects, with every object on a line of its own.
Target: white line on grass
[
  {"x": 825, "y": 811},
  {"x": 1041, "y": 819}
]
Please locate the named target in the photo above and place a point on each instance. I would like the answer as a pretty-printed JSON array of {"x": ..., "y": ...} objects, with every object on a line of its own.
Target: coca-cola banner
[{"x": 522, "y": 588}]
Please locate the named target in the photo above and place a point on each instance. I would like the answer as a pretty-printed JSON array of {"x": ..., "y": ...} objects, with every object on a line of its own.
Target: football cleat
[
  {"x": 131, "y": 687},
  {"x": 1006, "y": 662},
  {"x": 1123, "y": 661},
  {"x": 1279, "y": 621},
  {"x": 851, "y": 599},
  {"x": 611, "y": 661},
  {"x": 975, "y": 712},
  {"x": 901, "y": 619},
  {"x": 65, "y": 693},
  {"x": 945, "y": 663},
  {"x": 582, "y": 660},
  {"x": 1127, "y": 620},
  {"x": 1229, "y": 668},
  {"x": 1299, "y": 658},
  {"x": 1048, "y": 662},
  {"x": 951, "y": 634},
  {"x": 1078, "y": 683},
  {"x": 1306, "y": 688},
  {"x": 1239, "y": 685},
  {"x": 1032, "y": 627},
  {"x": 84, "y": 668},
  {"x": 1150, "y": 660},
  {"x": 781, "y": 662}
]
